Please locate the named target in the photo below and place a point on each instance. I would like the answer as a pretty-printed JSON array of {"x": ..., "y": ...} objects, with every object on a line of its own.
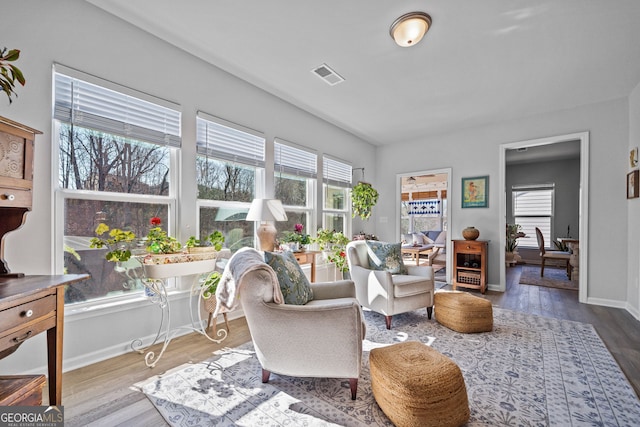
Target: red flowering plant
[
  {"x": 297, "y": 236},
  {"x": 159, "y": 242}
]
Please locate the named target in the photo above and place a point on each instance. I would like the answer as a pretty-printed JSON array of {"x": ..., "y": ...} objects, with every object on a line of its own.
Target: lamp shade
[
  {"x": 266, "y": 210},
  {"x": 409, "y": 29}
]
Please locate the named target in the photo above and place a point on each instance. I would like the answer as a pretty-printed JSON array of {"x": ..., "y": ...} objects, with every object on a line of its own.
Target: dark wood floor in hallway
[{"x": 101, "y": 394}]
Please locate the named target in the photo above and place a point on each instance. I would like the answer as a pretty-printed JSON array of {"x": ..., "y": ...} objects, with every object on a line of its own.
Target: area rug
[
  {"x": 553, "y": 278},
  {"x": 529, "y": 371}
]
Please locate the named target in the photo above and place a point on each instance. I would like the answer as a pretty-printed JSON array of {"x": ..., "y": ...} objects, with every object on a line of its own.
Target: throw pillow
[
  {"x": 418, "y": 239},
  {"x": 441, "y": 239},
  {"x": 294, "y": 285},
  {"x": 385, "y": 256}
]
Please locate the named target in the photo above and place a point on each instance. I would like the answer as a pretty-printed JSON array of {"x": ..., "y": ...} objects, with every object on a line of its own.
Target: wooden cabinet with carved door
[{"x": 16, "y": 179}]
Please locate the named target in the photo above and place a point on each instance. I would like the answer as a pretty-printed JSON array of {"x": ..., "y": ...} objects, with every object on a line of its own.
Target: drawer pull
[
  {"x": 468, "y": 247},
  {"x": 22, "y": 338},
  {"x": 9, "y": 197},
  {"x": 27, "y": 313}
]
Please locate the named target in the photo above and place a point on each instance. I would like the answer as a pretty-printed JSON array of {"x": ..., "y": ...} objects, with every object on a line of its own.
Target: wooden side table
[
  {"x": 30, "y": 305},
  {"x": 308, "y": 257},
  {"x": 470, "y": 264}
]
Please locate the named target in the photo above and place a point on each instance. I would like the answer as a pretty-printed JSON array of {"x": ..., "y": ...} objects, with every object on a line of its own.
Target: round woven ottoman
[
  {"x": 463, "y": 312},
  {"x": 416, "y": 385}
]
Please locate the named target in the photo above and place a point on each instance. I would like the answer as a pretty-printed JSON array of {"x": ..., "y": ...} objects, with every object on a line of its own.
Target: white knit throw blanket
[{"x": 242, "y": 262}]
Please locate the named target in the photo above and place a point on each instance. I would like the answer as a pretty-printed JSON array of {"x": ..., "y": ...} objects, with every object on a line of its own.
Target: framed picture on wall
[
  {"x": 632, "y": 184},
  {"x": 475, "y": 192}
]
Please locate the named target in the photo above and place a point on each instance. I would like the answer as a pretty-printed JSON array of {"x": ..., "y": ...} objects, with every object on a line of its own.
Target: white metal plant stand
[{"x": 156, "y": 290}]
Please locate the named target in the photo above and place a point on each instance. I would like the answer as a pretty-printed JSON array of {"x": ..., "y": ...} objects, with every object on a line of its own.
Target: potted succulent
[
  {"x": 9, "y": 73},
  {"x": 363, "y": 198}
]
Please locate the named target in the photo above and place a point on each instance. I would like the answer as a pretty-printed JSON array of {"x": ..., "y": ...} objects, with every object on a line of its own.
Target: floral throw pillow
[
  {"x": 385, "y": 256},
  {"x": 293, "y": 283}
]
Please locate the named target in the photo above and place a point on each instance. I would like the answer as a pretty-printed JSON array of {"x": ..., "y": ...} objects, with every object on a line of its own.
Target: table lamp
[{"x": 266, "y": 210}]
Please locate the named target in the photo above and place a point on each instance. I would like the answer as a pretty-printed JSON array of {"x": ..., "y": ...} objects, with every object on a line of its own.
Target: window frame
[
  {"x": 530, "y": 241},
  {"x": 342, "y": 180}
]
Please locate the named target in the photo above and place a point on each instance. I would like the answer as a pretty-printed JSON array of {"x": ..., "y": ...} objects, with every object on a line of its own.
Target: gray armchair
[
  {"x": 322, "y": 338},
  {"x": 387, "y": 293}
]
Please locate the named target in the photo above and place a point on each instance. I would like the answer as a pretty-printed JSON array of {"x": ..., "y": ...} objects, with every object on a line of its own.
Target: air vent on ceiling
[{"x": 327, "y": 74}]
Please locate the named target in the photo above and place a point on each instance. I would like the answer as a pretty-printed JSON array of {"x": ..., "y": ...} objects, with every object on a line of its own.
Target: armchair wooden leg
[
  {"x": 542, "y": 269},
  {"x": 265, "y": 376},
  {"x": 353, "y": 385},
  {"x": 429, "y": 312},
  {"x": 387, "y": 320}
]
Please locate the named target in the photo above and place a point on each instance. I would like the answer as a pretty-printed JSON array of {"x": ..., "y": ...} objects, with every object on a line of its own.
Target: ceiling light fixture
[{"x": 409, "y": 29}]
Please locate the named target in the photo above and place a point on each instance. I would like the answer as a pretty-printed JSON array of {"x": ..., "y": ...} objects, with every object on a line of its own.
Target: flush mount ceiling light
[{"x": 409, "y": 29}]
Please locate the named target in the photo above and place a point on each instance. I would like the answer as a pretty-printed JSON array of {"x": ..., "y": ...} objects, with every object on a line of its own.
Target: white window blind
[
  {"x": 94, "y": 106},
  {"x": 295, "y": 161},
  {"x": 336, "y": 172},
  {"x": 533, "y": 207},
  {"x": 230, "y": 142}
]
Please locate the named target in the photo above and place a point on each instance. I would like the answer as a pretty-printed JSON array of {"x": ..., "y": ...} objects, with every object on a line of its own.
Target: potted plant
[
  {"x": 511, "y": 246},
  {"x": 211, "y": 243},
  {"x": 296, "y": 239},
  {"x": 118, "y": 242},
  {"x": 159, "y": 242},
  {"x": 333, "y": 244},
  {"x": 363, "y": 198},
  {"x": 9, "y": 73}
]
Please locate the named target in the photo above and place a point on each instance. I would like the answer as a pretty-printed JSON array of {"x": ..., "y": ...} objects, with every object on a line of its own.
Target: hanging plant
[
  {"x": 363, "y": 198},
  {"x": 9, "y": 73}
]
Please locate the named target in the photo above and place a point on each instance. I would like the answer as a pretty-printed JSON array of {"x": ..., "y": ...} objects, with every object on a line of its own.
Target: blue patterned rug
[{"x": 529, "y": 371}]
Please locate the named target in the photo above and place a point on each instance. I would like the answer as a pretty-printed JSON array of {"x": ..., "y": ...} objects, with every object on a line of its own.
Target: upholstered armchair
[
  {"x": 387, "y": 293},
  {"x": 322, "y": 338}
]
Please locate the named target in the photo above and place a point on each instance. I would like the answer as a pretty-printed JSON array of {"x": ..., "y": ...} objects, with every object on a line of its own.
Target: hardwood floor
[{"x": 100, "y": 394}]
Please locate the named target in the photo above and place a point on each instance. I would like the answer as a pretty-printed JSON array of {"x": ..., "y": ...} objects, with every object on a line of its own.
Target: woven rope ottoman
[
  {"x": 463, "y": 312},
  {"x": 416, "y": 385}
]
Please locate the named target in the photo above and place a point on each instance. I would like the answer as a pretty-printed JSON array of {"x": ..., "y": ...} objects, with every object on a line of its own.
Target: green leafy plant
[
  {"x": 513, "y": 234},
  {"x": 333, "y": 243},
  {"x": 9, "y": 73},
  {"x": 210, "y": 284},
  {"x": 297, "y": 236},
  {"x": 118, "y": 242},
  {"x": 363, "y": 198},
  {"x": 215, "y": 240}
]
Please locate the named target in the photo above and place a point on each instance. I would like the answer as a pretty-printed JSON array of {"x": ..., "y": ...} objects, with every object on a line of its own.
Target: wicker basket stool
[
  {"x": 416, "y": 385},
  {"x": 463, "y": 312}
]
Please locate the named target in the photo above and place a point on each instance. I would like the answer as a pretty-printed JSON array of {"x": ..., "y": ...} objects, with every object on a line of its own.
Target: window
[
  {"x": 295, "y": 177},
  {"x": 229, "y": 166},
  {"x": 117, "y": 151},
  {"x": 337, "y": 176},
  {"x": 533, "y": 207}
]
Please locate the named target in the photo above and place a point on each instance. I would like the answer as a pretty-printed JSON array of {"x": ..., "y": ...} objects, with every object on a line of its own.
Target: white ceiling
[{"x": 482, "y": 62}]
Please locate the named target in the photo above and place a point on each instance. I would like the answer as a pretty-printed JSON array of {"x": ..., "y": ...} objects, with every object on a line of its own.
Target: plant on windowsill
[
  {"x": 363, "y": 198},
  {"x": 333, "y": 244}
]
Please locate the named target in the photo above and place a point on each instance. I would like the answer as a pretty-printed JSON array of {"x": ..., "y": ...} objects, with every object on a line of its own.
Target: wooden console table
[
  {"x": 308, "y": 257},
  {"x": 470, "y": 264},
  {"x": 30, "y": 305}
]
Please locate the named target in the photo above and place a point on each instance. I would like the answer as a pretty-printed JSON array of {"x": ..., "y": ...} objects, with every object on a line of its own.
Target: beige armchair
[
  {"x": 387, "y": 293},
  {"x": 322, "y": 338}
]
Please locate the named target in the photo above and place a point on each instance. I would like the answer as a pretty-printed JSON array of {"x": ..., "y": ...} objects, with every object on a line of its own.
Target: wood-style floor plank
[{"x": 101, "y": 394}]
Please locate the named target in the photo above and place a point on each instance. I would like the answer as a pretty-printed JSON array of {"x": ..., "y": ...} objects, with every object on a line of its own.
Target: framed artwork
[
  {"x": 632, "y": 184},
  {"x": 633, "y": 157},
  {"x": 475, "y": 192}
]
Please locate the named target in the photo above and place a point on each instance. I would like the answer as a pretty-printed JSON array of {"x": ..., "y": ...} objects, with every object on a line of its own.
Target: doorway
[
  {"x": 555, "y": 143},
  {"x": 422, "y": 199}
]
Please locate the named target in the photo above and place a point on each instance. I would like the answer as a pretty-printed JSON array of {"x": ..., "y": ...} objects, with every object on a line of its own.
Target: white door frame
[
  {"x": 448, "y": 216},
  {"x": 583, "y": 214}
]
